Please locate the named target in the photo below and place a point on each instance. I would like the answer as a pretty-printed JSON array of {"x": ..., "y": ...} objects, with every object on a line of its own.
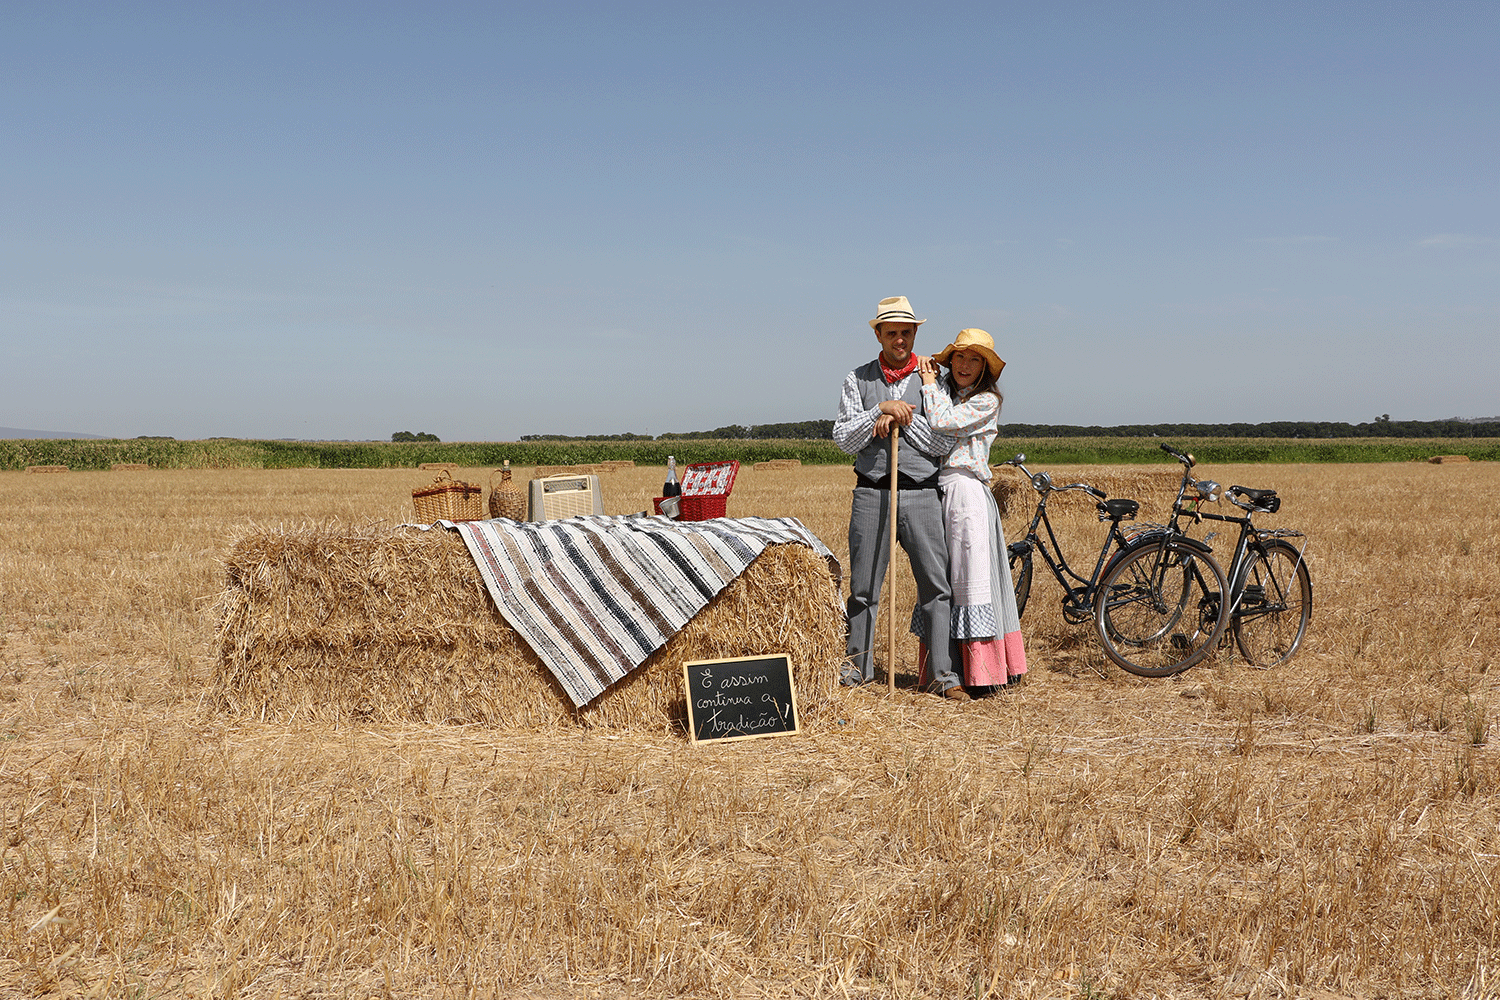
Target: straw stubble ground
[{"x": 1326, "y": 828}]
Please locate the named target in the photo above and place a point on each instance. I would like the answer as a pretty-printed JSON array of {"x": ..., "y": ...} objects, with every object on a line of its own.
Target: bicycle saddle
[
  {"x": 1265, "y": 500},
  {"x": 1119, "y": 509}
]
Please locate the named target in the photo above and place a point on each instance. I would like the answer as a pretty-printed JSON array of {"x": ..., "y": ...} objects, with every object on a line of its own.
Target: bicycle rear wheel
[
  {"x": 1275, "y": 605},
  {"x": 1020, "y": 574},
  {"x": 1159, "y": 610}
]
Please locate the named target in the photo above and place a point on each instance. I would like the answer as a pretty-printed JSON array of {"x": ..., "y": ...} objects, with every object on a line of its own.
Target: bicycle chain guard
[{"x": 1076, "y": 608}]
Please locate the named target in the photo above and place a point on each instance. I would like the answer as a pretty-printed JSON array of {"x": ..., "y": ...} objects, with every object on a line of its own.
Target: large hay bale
[
  {"x": 544, "y": 471},
  {"x": 385, "y": 624},
  {"x": 1152, "y": 488},
  {"x": 1445, "y": 459},
  {"x": 780, "y": 463}
]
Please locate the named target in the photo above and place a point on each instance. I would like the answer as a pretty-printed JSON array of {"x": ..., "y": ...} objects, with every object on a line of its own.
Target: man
[{"x": 876, "y": 396}]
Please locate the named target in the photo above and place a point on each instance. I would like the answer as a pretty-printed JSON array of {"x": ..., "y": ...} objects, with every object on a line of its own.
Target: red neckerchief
[{"x": 894, "y": 375}]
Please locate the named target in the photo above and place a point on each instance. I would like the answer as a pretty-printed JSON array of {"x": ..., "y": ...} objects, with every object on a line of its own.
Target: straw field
[{"x": 1330, "y": 828}]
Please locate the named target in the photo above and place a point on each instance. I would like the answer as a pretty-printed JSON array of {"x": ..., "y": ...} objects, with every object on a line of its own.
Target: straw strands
[
  {"x": 1329, "y": 828},
  {"x": 589, "y": 469},
  {"x": 332, "y": 622},
  {"x": 1153, "y": 488}
]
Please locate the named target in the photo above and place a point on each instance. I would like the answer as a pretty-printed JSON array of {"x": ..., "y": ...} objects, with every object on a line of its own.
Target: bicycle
[
  {"x": 1157, "y": 584},
  {"x": 1270, "y": 586}
]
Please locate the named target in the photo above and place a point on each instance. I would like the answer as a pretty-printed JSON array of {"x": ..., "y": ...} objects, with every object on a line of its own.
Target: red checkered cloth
[{"x": 709, "y": 478}]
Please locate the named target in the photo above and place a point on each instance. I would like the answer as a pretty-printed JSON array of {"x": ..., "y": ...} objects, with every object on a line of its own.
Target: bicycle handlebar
[
  {"x": 1185, "y": 459},
  {"x": 1042, "y": 483},
  {"x": 1092, "y": 491}
]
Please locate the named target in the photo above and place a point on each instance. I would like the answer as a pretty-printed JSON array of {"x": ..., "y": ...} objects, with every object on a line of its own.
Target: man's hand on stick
[{"x": 897, "y": 410}]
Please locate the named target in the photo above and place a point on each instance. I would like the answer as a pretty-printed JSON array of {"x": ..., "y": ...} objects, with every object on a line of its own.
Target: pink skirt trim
[
  {"x": 994, "y": 661},
  {"x": 986, "y": 661}
]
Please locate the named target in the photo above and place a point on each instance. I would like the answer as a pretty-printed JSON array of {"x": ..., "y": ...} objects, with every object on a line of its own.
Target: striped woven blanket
[{"x": 594, "y": 596}]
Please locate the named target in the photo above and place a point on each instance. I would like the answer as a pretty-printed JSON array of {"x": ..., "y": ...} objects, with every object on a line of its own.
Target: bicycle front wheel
[
  {"x": 1020, "y": 574},
  {"x": 1275, "y": 605},
  {"x": 1159, "y": 609}
]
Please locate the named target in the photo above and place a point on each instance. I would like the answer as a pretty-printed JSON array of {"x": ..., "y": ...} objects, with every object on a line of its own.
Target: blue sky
[{"x": 330, "y": 220}]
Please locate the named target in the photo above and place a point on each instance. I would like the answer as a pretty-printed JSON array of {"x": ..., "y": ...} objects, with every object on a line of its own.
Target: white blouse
[{"x": 974, "y": 422}]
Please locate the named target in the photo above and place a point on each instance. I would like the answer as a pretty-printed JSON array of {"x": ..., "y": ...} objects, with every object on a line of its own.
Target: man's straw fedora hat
[
  {"x": 894, "y": 310},
  {"x": 977, "y": 341}
]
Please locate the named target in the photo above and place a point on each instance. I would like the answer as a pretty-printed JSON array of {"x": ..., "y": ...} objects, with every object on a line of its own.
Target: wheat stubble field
[{"x": 1331, "y": 828}]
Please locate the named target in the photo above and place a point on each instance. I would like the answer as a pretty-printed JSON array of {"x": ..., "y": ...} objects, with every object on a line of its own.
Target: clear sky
[{"x": 341, "y": 220}]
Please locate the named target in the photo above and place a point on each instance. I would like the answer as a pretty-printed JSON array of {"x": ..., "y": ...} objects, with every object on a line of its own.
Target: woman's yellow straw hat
[{"x": 980, "y": 343}]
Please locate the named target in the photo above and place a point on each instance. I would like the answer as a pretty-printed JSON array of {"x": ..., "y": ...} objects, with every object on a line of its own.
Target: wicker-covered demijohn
[{"x": 505, "y": 500}]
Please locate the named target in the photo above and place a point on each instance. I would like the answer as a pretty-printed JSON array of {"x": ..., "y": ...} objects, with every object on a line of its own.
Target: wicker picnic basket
[
  {"x": 705, "y": 491},
  {"x": 448, "y": 499}
]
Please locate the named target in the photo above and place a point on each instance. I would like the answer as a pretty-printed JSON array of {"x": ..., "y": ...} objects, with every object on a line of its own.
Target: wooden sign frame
[{"x": 741, "y": 698}]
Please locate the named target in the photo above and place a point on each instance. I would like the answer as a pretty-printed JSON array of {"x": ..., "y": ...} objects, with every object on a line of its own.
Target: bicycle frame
[
  {"x": 1078, "y": 596},
  {"x": 1154, "y": 597},
  {"x": 1251, "y": 543},
  {"x": 1239, "y": 564}
]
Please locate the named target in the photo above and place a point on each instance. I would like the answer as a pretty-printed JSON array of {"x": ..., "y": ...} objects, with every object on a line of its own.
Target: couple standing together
[{"x": 946, "y": 520}]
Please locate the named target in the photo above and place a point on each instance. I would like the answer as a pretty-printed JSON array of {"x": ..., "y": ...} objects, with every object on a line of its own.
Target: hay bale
[
  {"x": 1444, "y": 459},
  {"x": 543, "y": 471},
  {"x": 383, "y": 624},
  {"x": 438, "y": 466},
  {"x": 780, "y": 463},
  {"x": 1152, "y": 488},
  {"x": 1008, "y": 484},
  {"x": 46, "y": 468},
  {"x": 130, "y": 467},
  {"x": 616, "y": 464}
]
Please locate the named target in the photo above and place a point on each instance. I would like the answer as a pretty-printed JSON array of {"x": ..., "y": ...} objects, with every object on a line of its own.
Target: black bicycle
[
  {"x": 1154, "y": 592},
  {"x": 1270, "y": 586}
]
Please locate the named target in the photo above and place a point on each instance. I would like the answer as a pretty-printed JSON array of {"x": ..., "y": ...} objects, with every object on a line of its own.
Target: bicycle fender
[{"x": 1155, "y": 538}]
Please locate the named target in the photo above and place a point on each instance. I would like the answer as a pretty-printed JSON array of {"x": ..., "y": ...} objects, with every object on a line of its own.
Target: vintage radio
[{"x": 563, "y": 496}]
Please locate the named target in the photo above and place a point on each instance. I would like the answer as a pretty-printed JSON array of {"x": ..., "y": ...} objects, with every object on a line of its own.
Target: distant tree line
[
  {"x": 400, "y": 436},
  {"x": 587, "y": 437},
  {"x": 822, "y": 430},
  {"x": 1381, "y": 426},
  {"x": 805, "y": 430}
]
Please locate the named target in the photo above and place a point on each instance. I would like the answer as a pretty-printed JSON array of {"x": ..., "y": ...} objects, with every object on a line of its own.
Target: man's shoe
[{"x": 956, "y": 693}]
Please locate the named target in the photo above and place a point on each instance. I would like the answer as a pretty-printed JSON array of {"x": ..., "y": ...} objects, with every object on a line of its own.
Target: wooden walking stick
[{"x": 890, "y": 567}]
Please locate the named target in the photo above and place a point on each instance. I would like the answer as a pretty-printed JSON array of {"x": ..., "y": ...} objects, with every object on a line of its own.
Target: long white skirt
[{"x": 985, "y": 621}]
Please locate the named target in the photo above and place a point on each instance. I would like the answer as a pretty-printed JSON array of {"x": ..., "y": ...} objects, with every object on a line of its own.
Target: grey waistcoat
[{"x": 874, "y": 459}]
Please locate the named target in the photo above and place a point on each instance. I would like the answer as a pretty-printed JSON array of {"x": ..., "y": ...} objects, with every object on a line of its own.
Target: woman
[{"x": 966, "y": 405}]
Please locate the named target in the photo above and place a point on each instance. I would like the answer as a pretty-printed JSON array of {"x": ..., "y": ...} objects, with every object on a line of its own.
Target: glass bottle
[{"x": 671, "y": 488}]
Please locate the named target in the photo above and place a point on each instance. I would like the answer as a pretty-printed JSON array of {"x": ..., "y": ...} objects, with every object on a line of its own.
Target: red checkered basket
[{"x": 705, "y": 490}]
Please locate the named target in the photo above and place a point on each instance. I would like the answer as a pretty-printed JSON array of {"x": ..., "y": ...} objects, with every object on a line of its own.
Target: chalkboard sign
[{"x": 740, "y": 699}]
